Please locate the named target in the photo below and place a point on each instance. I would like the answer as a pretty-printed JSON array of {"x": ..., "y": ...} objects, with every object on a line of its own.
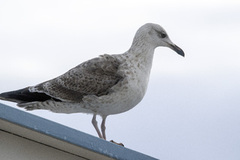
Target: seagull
[{"x": 103, "y": 86}]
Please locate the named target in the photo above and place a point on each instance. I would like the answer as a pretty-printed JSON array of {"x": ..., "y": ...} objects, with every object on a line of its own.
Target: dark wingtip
[
  {"x": 7, "y": 96},
  {"x": 24, "y": 96}
]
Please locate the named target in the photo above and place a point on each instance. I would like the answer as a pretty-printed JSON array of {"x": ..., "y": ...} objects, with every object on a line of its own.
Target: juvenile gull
[{"x": 106, "y": 85}]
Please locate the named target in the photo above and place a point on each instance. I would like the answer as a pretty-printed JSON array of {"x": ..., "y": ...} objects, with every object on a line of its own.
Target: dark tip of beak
[{"x": 177, "y": 49}]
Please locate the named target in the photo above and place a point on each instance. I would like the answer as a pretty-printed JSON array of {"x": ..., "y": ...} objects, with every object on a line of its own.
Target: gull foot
[{"x": 120, "y": 144}]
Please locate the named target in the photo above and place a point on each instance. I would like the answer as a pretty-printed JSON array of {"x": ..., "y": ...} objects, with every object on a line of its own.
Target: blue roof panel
[{"x": 69, "y": 135}]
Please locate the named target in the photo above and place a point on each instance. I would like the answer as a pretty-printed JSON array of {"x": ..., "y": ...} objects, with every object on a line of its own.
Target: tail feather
[{"x": 24, "y": 96}]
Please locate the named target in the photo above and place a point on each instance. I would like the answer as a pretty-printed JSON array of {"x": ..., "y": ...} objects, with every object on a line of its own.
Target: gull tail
[{"x": 24, "y": 96}]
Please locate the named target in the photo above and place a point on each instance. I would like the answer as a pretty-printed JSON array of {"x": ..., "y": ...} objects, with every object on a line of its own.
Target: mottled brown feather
[{"x": 93, "y": 77}]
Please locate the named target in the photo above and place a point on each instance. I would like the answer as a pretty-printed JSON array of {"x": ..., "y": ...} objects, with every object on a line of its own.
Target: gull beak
[{"x": 176, "y": 49}]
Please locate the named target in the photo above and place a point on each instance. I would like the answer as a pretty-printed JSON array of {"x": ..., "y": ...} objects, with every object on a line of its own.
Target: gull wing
[{"x": 93, "y": 77}]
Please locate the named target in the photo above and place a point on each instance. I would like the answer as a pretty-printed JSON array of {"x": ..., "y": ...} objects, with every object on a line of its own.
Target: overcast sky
[{"x": 192, "y": 107}]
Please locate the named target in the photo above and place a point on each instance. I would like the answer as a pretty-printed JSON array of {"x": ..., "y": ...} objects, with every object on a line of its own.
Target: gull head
[{"x": 155, "y": 36}]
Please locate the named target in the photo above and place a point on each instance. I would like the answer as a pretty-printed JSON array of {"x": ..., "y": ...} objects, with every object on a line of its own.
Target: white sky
[{"x": 191, "y": 109}]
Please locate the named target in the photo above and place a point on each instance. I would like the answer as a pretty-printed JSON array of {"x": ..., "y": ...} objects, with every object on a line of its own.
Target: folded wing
[{"x": 93, "y": 77}]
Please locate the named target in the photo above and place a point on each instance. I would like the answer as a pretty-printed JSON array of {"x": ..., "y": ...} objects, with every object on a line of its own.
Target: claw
[{"x": 120, "y": 144}]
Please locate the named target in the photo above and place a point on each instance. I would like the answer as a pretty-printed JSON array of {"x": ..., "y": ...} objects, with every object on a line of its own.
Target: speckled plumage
[
  {"x": 93, "y": 77},
  {"x": 109, "y": 84}
]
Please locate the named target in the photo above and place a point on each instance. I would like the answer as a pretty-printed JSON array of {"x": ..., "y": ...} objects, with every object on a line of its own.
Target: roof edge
[{"x": 68, "y": 135}]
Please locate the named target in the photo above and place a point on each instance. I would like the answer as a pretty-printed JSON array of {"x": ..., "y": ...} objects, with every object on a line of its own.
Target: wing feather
[{"x": 93, "y": 77}]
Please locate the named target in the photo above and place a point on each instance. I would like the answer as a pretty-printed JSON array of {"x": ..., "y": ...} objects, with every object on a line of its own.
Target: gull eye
[{"x": 163, "y": 35}]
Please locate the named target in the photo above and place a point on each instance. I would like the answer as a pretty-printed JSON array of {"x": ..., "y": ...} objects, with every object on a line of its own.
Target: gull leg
[
  {"x": 94, "y": 122},
  {"x": 103, "y": 128}
]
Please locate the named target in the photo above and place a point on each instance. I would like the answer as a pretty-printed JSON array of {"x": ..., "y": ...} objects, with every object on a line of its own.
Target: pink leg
[
  {"x": 94, "y": 122},
  {"x": 103, "y": 128}
]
